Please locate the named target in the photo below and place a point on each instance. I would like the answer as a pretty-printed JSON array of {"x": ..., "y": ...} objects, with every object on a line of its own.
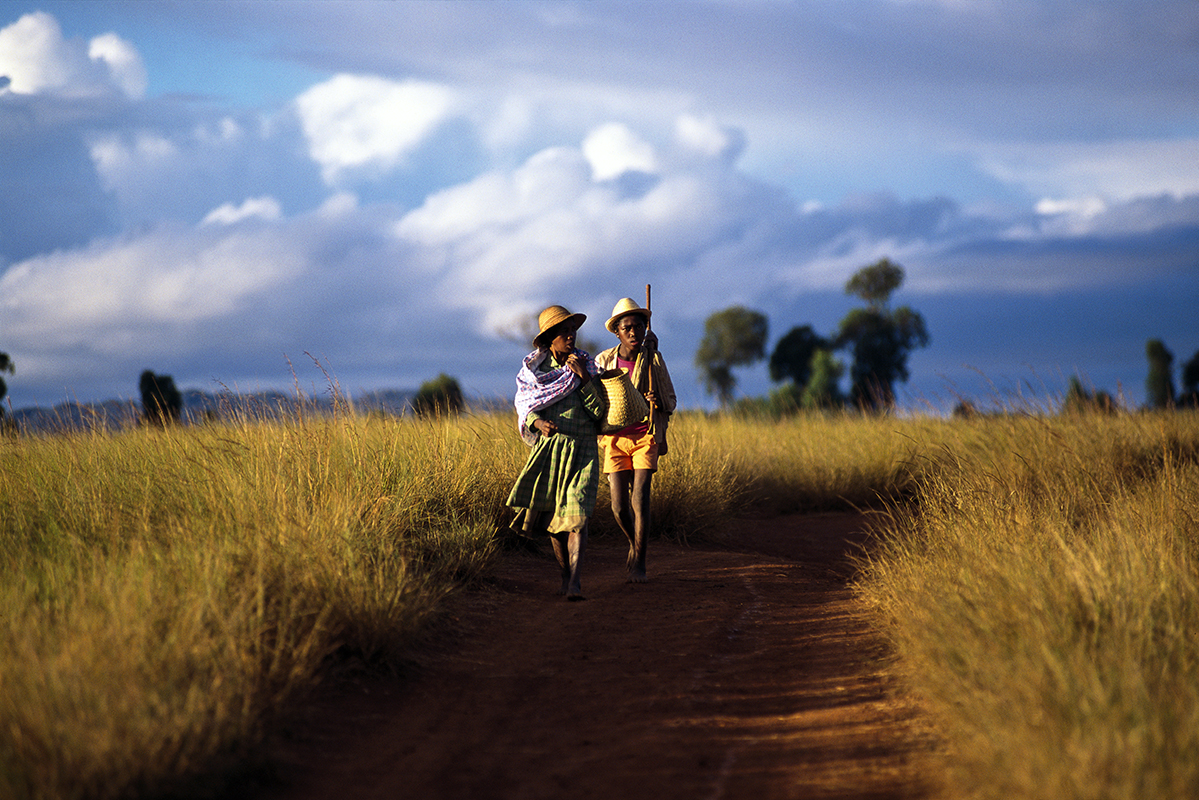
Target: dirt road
[{"x": 742, "y": 672}]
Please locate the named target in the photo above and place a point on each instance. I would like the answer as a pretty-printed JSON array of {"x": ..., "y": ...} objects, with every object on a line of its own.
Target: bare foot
[
  {"x": 637, "y": 576},
  {"x": 574, "y": 597}
]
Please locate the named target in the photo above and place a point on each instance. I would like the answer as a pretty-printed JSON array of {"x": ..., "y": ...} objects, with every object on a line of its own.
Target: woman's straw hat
[
  {"x": 625, "y": 305},
  {"x": 552, "y": 316}
]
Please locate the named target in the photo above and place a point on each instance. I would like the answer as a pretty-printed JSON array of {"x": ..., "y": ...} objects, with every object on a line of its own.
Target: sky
[{"x": 363, "y": 195}]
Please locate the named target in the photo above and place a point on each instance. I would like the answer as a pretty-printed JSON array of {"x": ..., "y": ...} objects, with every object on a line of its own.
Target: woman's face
[
  {"x": 630, "y": 329},
  {"x": 564, "y": 338}
]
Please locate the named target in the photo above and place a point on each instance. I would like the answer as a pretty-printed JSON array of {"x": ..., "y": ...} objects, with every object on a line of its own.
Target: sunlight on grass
[
  {"x": 1043, "y": 595},
  {"x": 167, "y": 594}
]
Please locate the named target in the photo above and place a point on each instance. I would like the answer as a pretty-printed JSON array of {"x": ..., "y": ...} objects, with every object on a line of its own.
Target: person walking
[
  {"x": 631, "y": 454},
  {"x": 559, "y": 409}
]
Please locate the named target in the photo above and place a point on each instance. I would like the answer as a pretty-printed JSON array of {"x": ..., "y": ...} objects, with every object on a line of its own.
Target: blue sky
[{"x": 231, "y": 192}]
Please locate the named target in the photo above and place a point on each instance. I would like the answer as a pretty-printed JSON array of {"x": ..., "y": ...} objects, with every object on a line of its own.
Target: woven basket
[{"x": 626, "y": 405}]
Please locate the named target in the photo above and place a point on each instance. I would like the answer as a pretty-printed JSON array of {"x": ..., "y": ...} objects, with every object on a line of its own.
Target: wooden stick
[{"x": 650, "y": 366}]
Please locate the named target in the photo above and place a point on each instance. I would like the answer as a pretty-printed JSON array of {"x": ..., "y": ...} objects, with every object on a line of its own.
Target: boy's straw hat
[
  {"x": 552, "y": 316},
  {"x": 625, "y": 305}
]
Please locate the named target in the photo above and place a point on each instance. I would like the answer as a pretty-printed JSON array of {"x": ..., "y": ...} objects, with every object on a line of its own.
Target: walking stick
[{"x": 652, "y": 406}]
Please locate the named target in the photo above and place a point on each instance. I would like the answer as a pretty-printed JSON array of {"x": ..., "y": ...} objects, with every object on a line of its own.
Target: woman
[
  {"x": 631, "y": 454},
  {"x": 559, "y": 408}
]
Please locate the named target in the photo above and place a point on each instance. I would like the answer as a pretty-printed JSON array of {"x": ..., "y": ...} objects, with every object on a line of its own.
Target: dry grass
[
  {"x": 1043, "y": 595},
  {"x": 165, "y": 594}
]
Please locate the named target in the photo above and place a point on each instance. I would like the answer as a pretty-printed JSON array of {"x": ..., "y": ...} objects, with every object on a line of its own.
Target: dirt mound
[{"x": 738, "y": 672}]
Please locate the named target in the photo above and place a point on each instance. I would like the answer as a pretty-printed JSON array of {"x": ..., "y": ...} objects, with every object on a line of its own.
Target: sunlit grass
[
  {"x": 166, "y": 594},
  {"x": 1043, "y": 595}
]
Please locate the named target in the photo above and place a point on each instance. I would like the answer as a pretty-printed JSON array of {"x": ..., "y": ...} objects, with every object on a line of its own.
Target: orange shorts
[{"x": 622, "y": 453}]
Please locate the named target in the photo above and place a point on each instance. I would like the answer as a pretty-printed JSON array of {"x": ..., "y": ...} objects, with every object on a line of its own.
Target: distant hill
[{"x": 200, "y": 406}]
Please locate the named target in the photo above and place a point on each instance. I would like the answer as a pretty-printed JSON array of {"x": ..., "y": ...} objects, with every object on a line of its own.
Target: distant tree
[
  {"x": 162, "y": 403},
  {"x": 876, "y": 283},
  {"x": 1079, "y": 400},
  {"x": 792, "y": 356},
  {"x": 442, "y": 395},
  {"x": 1159, "y": 384},
  {"x": 733, "y": 337},
  {"x": 880, "y": 338},
  {"x": 1190, "y": 381},
  {"x": 822, "y": 390},
  {"x": 6, "y": 365}
]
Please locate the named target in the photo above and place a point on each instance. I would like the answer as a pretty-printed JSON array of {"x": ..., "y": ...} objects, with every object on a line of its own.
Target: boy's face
[{"x": 630, "y": 329}]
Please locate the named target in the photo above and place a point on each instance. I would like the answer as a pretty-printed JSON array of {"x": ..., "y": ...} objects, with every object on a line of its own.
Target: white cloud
[
  {"x": 355, "y": 122},
  {"x": 168, "y": 276},
  {"x": 262, "y": 208},
  {"x": 1115, "y": 170},
  {"x": 708, "y": 138},
  {"x": 123, "y": 61},
  {"x": 549, "y": 227},
  {"x": 37, "y": 60},
  {"x": 613, "y": 149},
  {"x": 119, "y": 159}
]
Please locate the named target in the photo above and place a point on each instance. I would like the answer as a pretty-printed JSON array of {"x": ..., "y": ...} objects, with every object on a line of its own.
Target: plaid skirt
[{"x": 559, "y": 481}]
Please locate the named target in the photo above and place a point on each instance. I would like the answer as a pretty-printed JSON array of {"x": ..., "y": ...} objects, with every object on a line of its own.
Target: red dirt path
[{"x": 743, "y": 671}]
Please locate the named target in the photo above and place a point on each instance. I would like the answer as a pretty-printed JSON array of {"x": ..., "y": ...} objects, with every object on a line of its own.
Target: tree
[
  {"x": 1079, "y": 400},
  {"x": 821, "y": 389},
  {"x": 1159, "y": 384},
  {"x": 6, "y": 365},
  {"x": 442, "y": 395},
  {"x": 161, "y": 401},
  {"x": 1190, "y": 381},
  {"x": 879, "y": 338},
  {"x": 876, "y": 283},
  {"x": 792, "y": 356},
  {"x": 733, "y": 337}
]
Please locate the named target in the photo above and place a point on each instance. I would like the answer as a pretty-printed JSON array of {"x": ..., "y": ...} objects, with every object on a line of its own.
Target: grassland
[{"x": 166, "y": 594}]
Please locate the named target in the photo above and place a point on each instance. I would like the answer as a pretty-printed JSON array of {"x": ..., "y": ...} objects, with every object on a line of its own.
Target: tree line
[{"x": 878, "y": 337}]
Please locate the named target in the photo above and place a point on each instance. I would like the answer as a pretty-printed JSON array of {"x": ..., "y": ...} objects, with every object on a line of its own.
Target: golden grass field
[{"x": 166, "y": 593}]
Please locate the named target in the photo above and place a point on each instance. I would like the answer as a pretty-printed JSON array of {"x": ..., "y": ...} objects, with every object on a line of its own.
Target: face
[
  {"x": 564, "y": 338},
  {"x": 630, "y": 329}
]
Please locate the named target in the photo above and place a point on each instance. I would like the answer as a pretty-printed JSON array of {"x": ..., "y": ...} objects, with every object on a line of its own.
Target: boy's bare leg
[{"x": 640, "y": 502}]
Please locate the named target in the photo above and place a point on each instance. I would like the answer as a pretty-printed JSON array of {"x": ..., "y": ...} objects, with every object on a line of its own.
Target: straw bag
[{"x": 626, "y": 405}]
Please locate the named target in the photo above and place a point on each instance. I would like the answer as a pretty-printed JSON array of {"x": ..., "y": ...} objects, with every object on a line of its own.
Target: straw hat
[
  {"x": 625, "y": 305},
  {"x": 552, "y": 316}
]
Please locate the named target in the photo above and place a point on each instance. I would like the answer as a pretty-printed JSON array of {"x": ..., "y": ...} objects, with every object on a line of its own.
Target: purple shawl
[{"x": 537, "y": 390}]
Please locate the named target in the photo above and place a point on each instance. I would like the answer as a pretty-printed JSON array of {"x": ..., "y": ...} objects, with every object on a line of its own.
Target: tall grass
[
  {"x": 1043, "y": 595},
  {"x": 166, "y": 594}
]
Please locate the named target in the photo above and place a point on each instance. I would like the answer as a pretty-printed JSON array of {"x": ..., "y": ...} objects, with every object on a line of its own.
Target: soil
[{"x": 747, "y": 670}]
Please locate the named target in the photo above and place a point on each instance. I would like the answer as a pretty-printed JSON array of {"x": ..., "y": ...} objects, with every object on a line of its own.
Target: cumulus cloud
[
  {"x": 614, "y": 149},
  {"x": 1068, "y": 172},
  {"x": 602, "y": 176},
  {"x": 123, "y": 62},
  {"x": 262, "y": 208},
  {"x": 37, "y": 59},
  {"x": 355, "y": 123},
  {"x": 709, "y": 138},
  {"x": 220, "y": 300}
]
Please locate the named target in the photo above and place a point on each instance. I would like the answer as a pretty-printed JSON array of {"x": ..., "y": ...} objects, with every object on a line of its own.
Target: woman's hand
[
  {"x": 545, "y": 427},
  {"x": 578, "y": 367},
  {"x": 651, "y": 397}
]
